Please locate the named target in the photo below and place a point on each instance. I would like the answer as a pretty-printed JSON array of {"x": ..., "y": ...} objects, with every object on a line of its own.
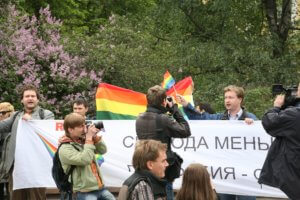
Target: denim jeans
[
  {"x": 169, "y": 190},
  {"x": 102, "y": 194},
  {"x": 235, "y": 197}
]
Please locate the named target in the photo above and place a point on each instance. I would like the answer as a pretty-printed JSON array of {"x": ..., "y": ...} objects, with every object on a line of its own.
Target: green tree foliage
[
  {"x": 85, "y": 16},
  {"x": 127, "y": 55},
  {"x": 217, "y": 42},
  {"x": 225, "y": 42}
]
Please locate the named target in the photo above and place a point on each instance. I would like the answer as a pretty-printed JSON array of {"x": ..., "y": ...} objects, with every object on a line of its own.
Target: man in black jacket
[
  {"x": 149, "y": 161},
  {"x": 156, "y": 124},
  {"x": 282, "y": 165}
]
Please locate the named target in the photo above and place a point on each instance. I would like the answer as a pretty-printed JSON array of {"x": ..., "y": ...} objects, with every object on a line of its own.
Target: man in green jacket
[{"x": 86, "y": 177}]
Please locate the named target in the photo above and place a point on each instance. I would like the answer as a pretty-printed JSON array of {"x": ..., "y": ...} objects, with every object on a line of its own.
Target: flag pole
[
  {"x": 174, "y": 89},
  {"x": 175, "y": 98}
]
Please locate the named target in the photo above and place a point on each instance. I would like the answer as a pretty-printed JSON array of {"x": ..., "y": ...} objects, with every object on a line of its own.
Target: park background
[{"x": 68, "y": 47}]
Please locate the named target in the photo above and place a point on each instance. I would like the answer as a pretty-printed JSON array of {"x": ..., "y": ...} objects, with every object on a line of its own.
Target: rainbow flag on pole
[
  {"x": 168, "y": 81},
  {"x": 114, "y": 102},
  {"x": 184, "y": 88}
]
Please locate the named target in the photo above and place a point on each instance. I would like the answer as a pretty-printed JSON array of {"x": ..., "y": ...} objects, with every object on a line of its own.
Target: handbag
[{"x": 174, "y": 168}]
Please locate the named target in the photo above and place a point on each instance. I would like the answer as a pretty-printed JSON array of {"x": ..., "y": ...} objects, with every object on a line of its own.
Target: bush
[{"x": 30, "y": 52}]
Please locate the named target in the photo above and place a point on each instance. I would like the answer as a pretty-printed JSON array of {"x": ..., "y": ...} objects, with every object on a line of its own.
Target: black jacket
[
  {"x": 157, "y": 185},
  {"x": 282, "y": 165},
  {"x": 170, "y": 127}
]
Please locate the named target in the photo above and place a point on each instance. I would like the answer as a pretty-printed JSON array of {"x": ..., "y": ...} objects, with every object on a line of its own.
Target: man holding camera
[
  {"x": 156, "y": 124},
  {"x": 81, "y": 145},
  {"x": 282, "y": 165}
]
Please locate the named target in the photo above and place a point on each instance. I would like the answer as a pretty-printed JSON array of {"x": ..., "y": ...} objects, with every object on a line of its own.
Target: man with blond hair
[
  {"x": 233, "y": 100},
  {"x": 147, "y": 183}
]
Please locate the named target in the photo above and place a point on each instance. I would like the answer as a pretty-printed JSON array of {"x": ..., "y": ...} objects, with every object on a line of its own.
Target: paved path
[{"x": 53, "y": 195}]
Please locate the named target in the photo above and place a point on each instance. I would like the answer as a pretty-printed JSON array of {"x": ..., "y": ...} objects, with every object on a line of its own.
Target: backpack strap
[
  {"x": 42, "y": 113},
  {"x": 72, "y": 167},
  {"x": 70, "y": 172},
  {"x": 14, "y": 118}
]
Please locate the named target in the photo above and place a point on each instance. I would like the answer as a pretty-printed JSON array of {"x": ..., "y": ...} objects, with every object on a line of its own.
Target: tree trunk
[{"x": 279, "y": 27}]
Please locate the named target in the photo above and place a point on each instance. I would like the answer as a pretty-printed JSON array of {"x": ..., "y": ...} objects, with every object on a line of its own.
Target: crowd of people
[{"x": 156, "y": 164}]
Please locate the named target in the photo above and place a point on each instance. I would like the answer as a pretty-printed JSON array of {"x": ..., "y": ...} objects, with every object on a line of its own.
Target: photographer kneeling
[
  {"x": 82, "y": 144},
  {"x": 282, "y": 165}
]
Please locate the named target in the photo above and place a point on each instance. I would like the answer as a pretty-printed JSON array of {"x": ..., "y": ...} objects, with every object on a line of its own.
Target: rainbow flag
[
  {"x": 184, "y": 88},
  {"x": 114, "y": 102},
  {"x": 51, "y": 148},
  {"x": 168, "y": 81}
]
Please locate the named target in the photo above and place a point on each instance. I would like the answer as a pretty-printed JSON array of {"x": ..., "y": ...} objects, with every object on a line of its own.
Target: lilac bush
[{"x": 31, "y": 52}]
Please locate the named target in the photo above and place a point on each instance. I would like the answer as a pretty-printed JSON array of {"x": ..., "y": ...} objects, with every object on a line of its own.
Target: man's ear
[
  {"x": 149, "y": 165},
  {"x": 70, "y": 130},
  {"x": 241, "y": 100},
  {"x": 164, "y": 103}
]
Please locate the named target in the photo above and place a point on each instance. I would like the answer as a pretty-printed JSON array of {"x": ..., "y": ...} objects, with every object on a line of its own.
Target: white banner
[
  {"x": 232, "y": 151},
  {"x": 35, "y": 143}
]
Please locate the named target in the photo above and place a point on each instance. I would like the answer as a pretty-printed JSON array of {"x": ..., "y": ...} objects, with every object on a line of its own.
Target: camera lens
[
  {"x": 169, "y": 99},
  {"x": 99, "y": 125}
]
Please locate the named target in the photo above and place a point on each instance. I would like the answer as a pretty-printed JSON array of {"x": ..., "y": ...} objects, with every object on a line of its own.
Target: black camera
[
  {"x": 169, "y": 99},
  {"x": 99, "y": 124},
  {"x": 289, "y": 92}
]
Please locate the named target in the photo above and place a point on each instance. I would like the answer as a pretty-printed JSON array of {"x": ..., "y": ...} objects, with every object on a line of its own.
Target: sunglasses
[{"x": 4, "y": 112}]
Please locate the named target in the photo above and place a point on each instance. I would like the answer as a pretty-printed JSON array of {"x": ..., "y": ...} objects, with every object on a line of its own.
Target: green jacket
[{"x": 82, "y": 176}]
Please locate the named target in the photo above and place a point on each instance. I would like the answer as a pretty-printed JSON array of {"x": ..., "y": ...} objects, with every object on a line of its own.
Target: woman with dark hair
[{"x": 196, "y": 184}]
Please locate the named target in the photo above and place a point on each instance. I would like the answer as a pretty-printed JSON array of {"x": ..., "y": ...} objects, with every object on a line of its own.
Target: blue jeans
[
  {"x": 169, "y": 191},
  {"x": 102, "y": 194},
  {"x": 235, "y": 197}
]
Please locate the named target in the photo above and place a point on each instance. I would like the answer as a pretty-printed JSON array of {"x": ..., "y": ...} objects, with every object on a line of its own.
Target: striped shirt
[{"x": 143, "y": 191}]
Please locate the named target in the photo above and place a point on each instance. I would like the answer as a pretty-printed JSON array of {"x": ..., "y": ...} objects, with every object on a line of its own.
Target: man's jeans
[
  {"x": 102, "y": 194},
  {"x": 169, "y": 190},
  {"x": 235, "y": 197}
]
